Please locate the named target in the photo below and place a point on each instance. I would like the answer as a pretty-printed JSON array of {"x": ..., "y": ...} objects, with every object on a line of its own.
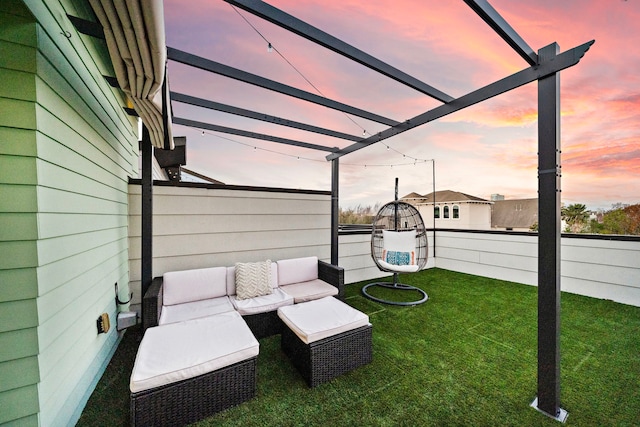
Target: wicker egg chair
[{"x": 398, "y": 245}]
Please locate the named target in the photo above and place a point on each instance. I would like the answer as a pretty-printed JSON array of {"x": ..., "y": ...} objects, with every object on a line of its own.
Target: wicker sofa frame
[
  {"x": 262, "y": 324},
  {"x": 193, "y": 399},
  {"x": 326, "y": 359}
]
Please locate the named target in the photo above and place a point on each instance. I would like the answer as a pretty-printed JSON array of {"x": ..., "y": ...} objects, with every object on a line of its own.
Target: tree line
[
  {"x": 358, "y": 215},
  {"x": 620, "y": 219}
]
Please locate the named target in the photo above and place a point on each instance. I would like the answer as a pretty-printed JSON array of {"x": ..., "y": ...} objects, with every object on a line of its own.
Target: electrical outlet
[{"x": 103, "y": 323}]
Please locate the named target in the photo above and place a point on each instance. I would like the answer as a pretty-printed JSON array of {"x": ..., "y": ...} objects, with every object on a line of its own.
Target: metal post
[
  {"x": 548, "y": 400},
  {"x": 335, "y": 214},
  {"x": 433, "y": 169},
  {"x": 146, "y": 275}
]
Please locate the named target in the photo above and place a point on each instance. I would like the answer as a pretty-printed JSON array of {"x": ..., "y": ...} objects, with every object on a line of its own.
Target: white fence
[
  {"x": 602, "y": 267},
  {"x": 213, "y": 226}
]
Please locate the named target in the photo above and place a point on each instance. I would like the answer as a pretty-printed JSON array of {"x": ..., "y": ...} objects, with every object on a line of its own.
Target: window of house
[
  {"x": 446, "y": 211},
  {"x": 456, "y": 211},
  {"x": 436, "y": 212}
]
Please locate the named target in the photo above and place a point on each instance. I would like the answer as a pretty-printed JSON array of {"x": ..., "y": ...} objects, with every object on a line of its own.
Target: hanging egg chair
[{"x": 398, "y": 245}]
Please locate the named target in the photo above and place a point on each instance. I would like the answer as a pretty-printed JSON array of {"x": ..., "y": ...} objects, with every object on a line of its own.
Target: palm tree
[{"x": 576, "y": 216}]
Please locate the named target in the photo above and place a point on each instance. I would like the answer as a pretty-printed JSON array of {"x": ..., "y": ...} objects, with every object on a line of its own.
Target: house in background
[
  {"x": 514, "y": 215},
  {"x": 452, "y": 209}
]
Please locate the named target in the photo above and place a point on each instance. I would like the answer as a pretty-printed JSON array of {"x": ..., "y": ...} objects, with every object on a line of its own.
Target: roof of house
[
  {"x": 445, "y": 196},
  {"x": 515, "y": 213}
]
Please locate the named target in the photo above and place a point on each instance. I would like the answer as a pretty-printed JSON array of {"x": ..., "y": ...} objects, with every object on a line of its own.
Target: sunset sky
[{"x": 485, "y": 149}]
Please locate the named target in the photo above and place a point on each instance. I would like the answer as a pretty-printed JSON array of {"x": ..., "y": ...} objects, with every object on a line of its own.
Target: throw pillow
[
  {"x": 253, "y": 279},
  {"x": 399, "y": 258}
]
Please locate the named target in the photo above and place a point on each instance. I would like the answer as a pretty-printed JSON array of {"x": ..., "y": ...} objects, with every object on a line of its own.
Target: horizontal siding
[
  {"x": 355, "y": 257},
  {"x": 606, "y": 269},
  {"x": 15, "y": 284},
  {"x": 20, "y": 314},
  {"x": 27, "y": 366},
  {"x": 19, "y": 374},
  {"x": 17, "y": 142},
  {"x": 21, "y": 88},
  {"x": 19, "y": 403},
  {"x": 14, "y": 55},
  {"x": 18, "y": 198},
  {"x": 84, "y": 151},
  {"x": 201, "y": 227},
  {"x": 17, "y": 344},
  {"x": 599, "y": 268}
]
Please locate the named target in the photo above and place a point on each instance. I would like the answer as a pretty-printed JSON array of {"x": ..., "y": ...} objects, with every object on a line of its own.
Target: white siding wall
[
  {"x": 205, "y": 227},
  {"x": 599, "y": 268}
]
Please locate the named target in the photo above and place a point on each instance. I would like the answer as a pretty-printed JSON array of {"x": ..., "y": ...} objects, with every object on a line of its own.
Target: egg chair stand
[
  {"x": 396, "y": 286},
  {"x": 398, "y": 245}
]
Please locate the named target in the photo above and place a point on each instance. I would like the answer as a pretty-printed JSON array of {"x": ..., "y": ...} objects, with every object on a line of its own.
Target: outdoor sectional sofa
[
  {"x": 198, "y": 355},
  {"x": 189, "y": 294}
]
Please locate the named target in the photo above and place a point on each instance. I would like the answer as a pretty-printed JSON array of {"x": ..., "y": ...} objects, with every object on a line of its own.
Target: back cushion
[
  {"x": 403, "y": 241},
  {"x": 231, "y": 278},
  {"x": 297, "y": 270},
  {"x": 193, "y": 285}
]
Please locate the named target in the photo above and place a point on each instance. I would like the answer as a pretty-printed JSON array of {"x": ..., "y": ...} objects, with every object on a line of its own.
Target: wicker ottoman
[
  {"x": 325, "y": 338},
  {"x": 187, "y": 371}
]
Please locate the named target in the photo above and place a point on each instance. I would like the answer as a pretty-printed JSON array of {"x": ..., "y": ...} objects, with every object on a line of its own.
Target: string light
[
  {"x": 414, "y": 160},
  {"x": 270, "y": 48}
]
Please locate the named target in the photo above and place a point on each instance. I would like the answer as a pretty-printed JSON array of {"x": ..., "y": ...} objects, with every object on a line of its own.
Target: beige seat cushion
[
  {"x": 309, "y": 291},
  {"x": 315, "y": 320},
  {"x": 263, "y": 303},
  {"x": 178, "y": 351},
  {"x": 194, "y": 310}
]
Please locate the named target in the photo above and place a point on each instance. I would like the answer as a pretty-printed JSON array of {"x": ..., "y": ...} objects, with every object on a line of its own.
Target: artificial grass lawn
[{"x": 467, "y": 356}]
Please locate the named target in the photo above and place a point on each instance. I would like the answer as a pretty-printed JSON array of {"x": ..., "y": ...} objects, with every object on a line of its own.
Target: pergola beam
[
  {"x": 503, "y": 29},
  {"x": 243, "y": 76},
  {"x": 230, "y": 109},
  {"x": 309, "y": 32},
  {"x": 248, "y": 134},
  {"x": 528, "y": 75}
]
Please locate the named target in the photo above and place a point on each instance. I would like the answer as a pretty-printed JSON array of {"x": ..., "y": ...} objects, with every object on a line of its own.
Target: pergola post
[
  {"x": 146, "y": 274},
  {"x": 549, "y": 200},
  {"x": 335, "y": 213}
]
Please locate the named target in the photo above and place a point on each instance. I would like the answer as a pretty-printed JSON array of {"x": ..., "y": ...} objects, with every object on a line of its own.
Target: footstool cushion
[
  {"x": 325, "y": 338},
  {"x": 188, "y": 370}
]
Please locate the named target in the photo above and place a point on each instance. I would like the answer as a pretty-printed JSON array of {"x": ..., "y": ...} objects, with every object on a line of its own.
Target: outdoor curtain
[{"x": 134, "y": 32}]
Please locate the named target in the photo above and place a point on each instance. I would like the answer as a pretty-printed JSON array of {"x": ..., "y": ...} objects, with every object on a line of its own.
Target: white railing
[{"x": 603, "y": 267}]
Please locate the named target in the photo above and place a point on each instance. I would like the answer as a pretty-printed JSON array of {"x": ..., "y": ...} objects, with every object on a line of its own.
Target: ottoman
[
  {"x": 325, "y": 338},
  {"x": 189, "y": 370}
]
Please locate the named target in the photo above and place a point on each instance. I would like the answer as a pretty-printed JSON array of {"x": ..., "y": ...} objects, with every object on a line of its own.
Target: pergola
[{"x": 543, "y": 67}]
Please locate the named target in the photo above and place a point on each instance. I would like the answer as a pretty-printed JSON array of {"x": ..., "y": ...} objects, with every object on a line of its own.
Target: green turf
[{"x": 466, "y": 357}]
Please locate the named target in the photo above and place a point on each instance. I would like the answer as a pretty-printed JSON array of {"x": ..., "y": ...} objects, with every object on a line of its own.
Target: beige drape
[{"x": 134, "y": 32}]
